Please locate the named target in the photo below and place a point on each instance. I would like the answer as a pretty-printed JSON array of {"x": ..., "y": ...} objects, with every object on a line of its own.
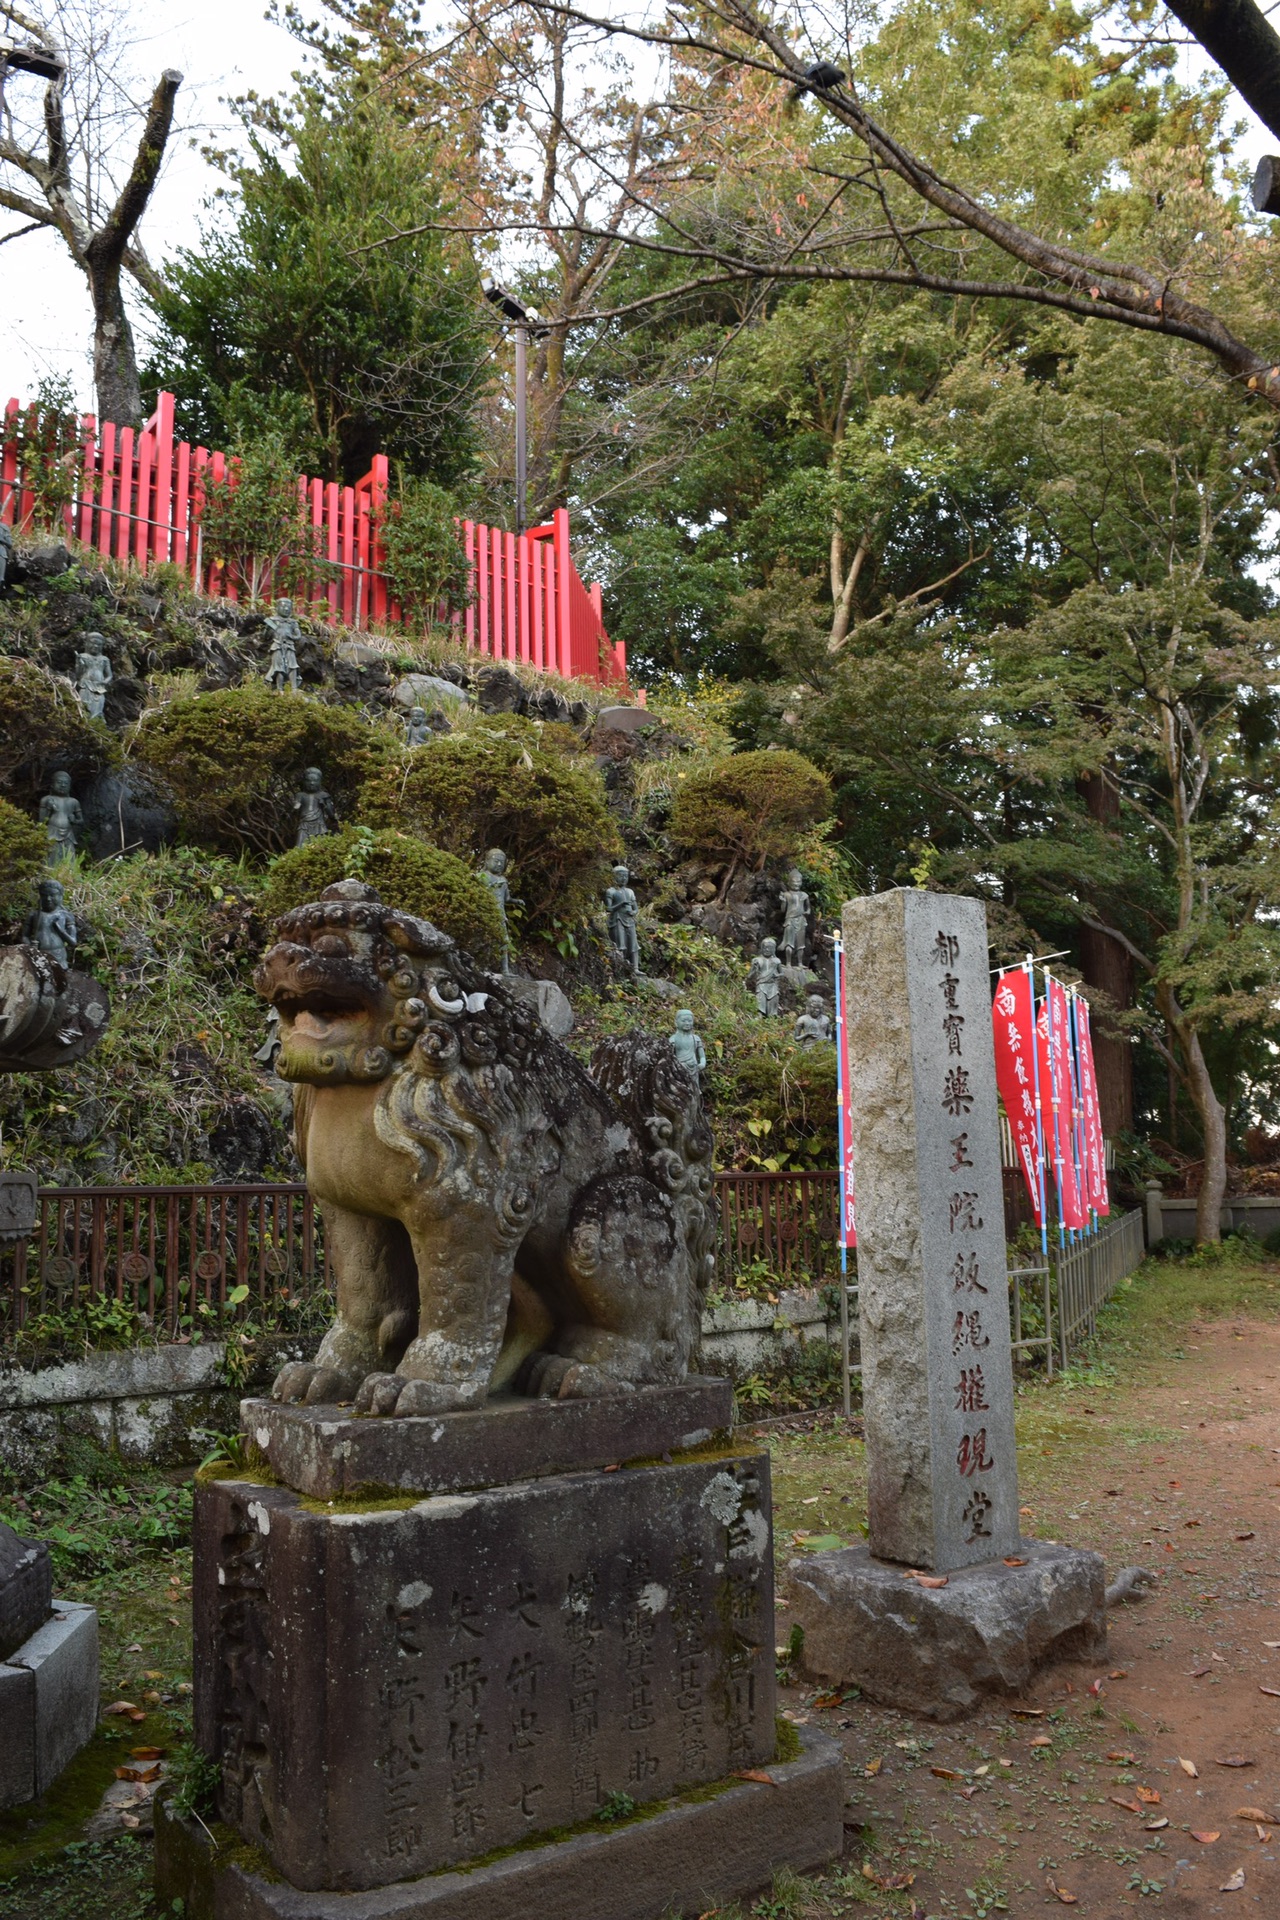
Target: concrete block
[
  {"x": 17, "y": 1736},
  {"x": 325, "y": 1451},
  {"x": 62, "y": 1658},
  {"x": 26, "y": 1588},
  {"x": 404, "y": 1688},
  {"x": 938, "y": 1651},
  {"x": 681, "y": 1858}
]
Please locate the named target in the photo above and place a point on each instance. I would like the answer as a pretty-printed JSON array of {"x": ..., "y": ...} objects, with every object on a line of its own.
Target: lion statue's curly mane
[{"x": 494, "y": 1214}]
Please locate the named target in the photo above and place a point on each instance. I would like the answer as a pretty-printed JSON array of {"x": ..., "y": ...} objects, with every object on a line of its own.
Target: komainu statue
[{"x": 494, "y": 1214}]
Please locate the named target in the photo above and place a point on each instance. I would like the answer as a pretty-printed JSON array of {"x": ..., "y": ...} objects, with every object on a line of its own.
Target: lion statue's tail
[{"x": 663, "y": 1102}]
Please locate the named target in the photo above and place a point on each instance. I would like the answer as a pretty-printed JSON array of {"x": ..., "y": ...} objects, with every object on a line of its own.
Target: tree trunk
[
  {"x": 1213, "y": 1119},
  {"x": 1109, "y": 966},
  {"x": 115, "y": 360}
]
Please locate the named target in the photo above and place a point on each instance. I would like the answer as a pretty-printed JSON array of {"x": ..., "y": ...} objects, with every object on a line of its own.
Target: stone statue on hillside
[
  {"x": 493, "y": 1213},
  {"x": 796, "y": 907},
  {"x": 52, "y": 927},
  {"x": 813, "y": 1026},
  {"x": 494, "y": 875},
  {"x": 93, "y": 675},
  {"x": 622, "y": 907},
  {"x": 417, "y": 729},
  {"x": 763, "y": 977},
  {"x": 285, "y": 636},
  {"x": 60, "y": 813},
  {"x": 686, "y": 1044},
  {"x": 316, "y": 812}
]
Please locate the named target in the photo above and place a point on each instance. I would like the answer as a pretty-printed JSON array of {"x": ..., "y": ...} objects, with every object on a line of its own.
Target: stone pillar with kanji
[{"x": 937, "y": 1376}]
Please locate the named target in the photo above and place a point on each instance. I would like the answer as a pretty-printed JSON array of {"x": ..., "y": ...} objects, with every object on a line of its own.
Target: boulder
[
  {"x": 427, "y": 690},
  {"x": 126, "y": 812}
]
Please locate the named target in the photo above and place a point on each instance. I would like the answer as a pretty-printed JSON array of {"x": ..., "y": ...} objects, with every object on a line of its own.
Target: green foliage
[
  {"x": 24, "y": 851},
  {"x": 193, "y": 1779},
  {"x": 618, "y": 1806},
  {"x": 498, "y": 785},
  {"x": 43, "y": 730},
  {"x": 233, "y": 761},
  {"x": 99, "y": 1518},
  {"x": 173, "y": 935},
  {"x": 256, "y": 526},
  {"x": 750, "y": 807},
  {"x": 362, "y": 347},
  {"x": 417, "y": 879},
  {"x": 47, "y": 437},
  {"x": 424, "y": 558}
]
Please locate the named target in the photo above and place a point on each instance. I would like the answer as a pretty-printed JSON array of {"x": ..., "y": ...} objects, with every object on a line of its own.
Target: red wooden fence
[{"x": 138, "y": 498}]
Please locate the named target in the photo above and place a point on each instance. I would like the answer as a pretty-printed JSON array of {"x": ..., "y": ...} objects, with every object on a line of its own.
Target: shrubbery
[
  {"x": 234, "y": 760},
  {"x": 750, "y": 807},
  {"x": 43, "y": 729},
  {"x": 496, "y": 786},
  {"x": 408, "y": 875},
  {"x": 24, "y": 850}
]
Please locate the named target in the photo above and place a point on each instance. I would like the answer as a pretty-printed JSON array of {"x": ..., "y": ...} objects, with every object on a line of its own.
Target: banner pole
[
  {"x": 1035, "y": 1078},
  {"x": 837, "y": 951},
  {"x": 1078, "y": 1131}
]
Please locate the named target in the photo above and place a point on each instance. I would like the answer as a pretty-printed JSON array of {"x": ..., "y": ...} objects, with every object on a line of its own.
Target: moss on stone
[{"x": 24, "y": 850}]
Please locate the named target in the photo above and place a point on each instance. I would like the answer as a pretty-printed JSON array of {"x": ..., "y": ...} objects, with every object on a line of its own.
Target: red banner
[
  {"x": 1053, "y": 1035},
  {"x": 1095, "y": 1146},
  {"x": 1015, "y": 1075},
  {"x": 848, "y": 1210}
]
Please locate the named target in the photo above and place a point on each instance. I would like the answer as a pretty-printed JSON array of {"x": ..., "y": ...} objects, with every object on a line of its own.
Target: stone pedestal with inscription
[
  {"x": 410, "y": 1678},
  {"x": 937, "y": 1372}
]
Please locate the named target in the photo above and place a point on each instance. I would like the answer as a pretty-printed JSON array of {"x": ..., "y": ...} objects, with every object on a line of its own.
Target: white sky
[{"x": 222, "y": 48}]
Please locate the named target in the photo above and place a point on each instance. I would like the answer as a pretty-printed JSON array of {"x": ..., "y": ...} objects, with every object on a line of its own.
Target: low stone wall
[
  {"x": 751, "y": 1336},
  {"x": 157, "y": 1403},
  {"x": 1175, "y": 1219},
  {"x": 144, "y": 1403}
]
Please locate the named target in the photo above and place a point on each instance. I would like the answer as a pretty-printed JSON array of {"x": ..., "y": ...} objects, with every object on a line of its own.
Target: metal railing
[
  {"x": 174, "y": 1255},
  {"x": 1088, "y": 1273},
  {"x": 786, "y": 1221}
]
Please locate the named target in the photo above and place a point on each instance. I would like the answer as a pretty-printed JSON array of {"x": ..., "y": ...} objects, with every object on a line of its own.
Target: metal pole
[{"x": 522, "y": 342}]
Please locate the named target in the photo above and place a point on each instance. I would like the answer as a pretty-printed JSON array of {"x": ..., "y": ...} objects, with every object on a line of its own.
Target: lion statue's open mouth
[{"x": 493, "y": 1212}]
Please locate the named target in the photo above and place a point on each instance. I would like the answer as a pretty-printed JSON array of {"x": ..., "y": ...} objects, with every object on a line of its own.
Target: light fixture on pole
[
  {"x": 42, "y": 61},
  {"x": 525, "y": 319}
]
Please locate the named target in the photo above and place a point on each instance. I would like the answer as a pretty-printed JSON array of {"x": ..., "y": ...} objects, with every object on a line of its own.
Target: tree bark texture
[{"x": 1245, "y": 45}]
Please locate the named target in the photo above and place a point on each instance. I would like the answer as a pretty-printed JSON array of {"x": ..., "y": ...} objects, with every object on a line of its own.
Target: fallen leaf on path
[
  {"x": 120, "y": 1706},
  {"x": 946, "y": 1773},
  {"x": 1118, "y": 1753},
  {"x": 1274, "y": 1692},
  {"x": 1130, "y": 1806},
  {"x": 1235, "y": 1883},
  {"x": 967, "y": 1793},
  {"x": 932, "y": 1579},
  {"x": 1271, "y": 1643},
  {"x": 1148, "y": 1796},
  {"x": 1154, "y": 1826},
  {"x": 756, "y": 1773},
  {"x": 1118, "y": 1673},
  {"x": 887, "y": 1882},
  {"x": 1250, "y": 1813},
  {"x": 1011, "y": 1560},
  {"x": 1205, "y": 1839},
  {"x": 139, "y": 1775},
  {"x": 1067, "y": 1899},
  {"x": 1189, "y": 1767},
  {"x": 1198, "y": 1673},
  {"x": 157, "y": 1753},
  {"x": 1243, "y": 1536},
  {"x": 1191, "y": 1523},
  {"x": 825, "y": 1700},
  {"x": 872, "y": 1768},
  {"x": 1028, "y": 1713},
  {"x": 1263, "y": 1833},
  {"x": 1235, "y": 1760},
  {"x": 1042, "y": 1740}
]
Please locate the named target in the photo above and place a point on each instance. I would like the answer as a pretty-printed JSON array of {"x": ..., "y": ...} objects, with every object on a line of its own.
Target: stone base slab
[
  {"x": 327, "y": 1451},
  {"x": 683, "y": 1859},
  {"x": 939, "y": 1651},
  {"x": 48, "y": 1701}
]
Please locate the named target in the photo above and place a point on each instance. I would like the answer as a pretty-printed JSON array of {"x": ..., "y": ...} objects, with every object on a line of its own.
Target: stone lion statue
[{"x": 494, "y": 1214}]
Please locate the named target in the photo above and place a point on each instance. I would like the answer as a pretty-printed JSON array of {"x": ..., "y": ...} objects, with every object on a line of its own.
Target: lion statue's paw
[
  {"x": 310, "y": 1384},
  {"x": 386, "y": 1393},
  {"x": 550, "y": 1376}
]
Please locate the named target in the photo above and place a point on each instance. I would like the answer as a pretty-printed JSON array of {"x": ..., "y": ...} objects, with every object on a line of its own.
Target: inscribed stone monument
[{"x": 937, "y": 1377}]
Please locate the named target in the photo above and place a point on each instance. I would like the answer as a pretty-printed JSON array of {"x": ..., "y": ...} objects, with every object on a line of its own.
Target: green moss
[
  {"x": 788, "y": 1743},
  {"x": 56, "y": 1819},
  {"x": 233, "y": 760},
  {"x": 43, "y": 729},
  {"x": 497, "y": 785},
  {"x": 417, "y": 879},
  {"x": 24, "y": 850},
  {"x": 750, "y": 807}
]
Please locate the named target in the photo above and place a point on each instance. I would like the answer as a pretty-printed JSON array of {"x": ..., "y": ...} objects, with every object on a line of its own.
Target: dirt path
[{"x": 1181, "y": 1475}]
